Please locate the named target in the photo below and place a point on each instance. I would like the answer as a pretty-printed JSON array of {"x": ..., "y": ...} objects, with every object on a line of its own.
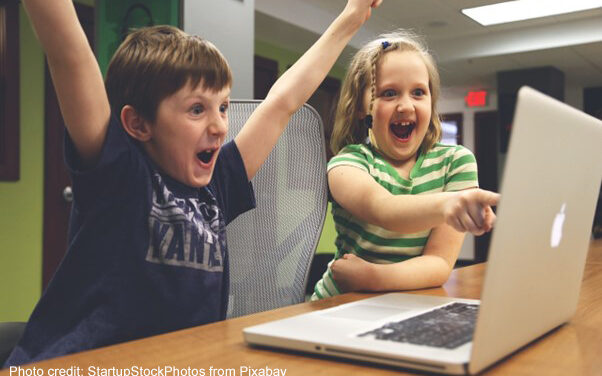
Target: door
[
  {"x": 57, "y": 185},
  {"x": 486, "y": 152},
  {"x": 265, "y": 74}
]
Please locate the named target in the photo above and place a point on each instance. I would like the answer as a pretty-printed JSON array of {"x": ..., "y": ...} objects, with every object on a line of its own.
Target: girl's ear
[
  {"x": 361, "y": 114},
  {"x": 134, "y": 124}
]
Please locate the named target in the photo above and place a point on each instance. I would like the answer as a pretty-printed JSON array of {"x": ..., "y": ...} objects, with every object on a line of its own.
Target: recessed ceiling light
[
  {"x": 437, "y": 24},
  {"x": 518, "y": 10}
]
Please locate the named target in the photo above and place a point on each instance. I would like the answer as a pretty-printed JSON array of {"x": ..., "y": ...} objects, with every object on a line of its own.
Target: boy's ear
[{"x": 134, "y": 124}]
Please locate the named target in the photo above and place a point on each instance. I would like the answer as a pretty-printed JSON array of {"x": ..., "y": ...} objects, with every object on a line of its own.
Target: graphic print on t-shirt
[{"x": 184, "y": 231}]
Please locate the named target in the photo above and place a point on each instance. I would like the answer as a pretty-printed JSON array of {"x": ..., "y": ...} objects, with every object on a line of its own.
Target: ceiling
[{"x": 468, "y": 54}]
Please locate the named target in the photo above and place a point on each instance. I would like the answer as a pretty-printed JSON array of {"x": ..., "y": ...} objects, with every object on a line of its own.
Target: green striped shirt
[{"x": 443, "y": 168}]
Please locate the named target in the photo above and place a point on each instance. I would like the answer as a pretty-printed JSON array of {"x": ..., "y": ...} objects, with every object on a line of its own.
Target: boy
[{"x": 153, "y": 185}]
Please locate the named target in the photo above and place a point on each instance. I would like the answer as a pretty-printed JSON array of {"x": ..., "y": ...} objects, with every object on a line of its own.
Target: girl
[{"x": 401, "y": 201}]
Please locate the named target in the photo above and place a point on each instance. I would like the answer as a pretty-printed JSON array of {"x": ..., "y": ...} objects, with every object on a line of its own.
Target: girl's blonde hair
[{"x": 361, "y": 75}]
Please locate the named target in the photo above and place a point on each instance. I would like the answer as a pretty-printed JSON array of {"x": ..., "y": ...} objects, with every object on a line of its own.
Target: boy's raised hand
[
  {"x": 470, "y": 210},
  {"x": 364, "y": 7}
]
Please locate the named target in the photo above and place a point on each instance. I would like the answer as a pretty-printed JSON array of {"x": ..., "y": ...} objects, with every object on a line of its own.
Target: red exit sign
[{"x": 476, "y": 98}]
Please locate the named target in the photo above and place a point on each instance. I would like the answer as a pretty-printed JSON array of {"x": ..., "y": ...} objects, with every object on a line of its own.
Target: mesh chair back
[{"x": 272, "y": 246}]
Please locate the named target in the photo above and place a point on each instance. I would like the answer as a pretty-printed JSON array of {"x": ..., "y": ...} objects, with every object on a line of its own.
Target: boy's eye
[
  {"x": 223, "y": 107},
  {"x": 197, "y": 109}
]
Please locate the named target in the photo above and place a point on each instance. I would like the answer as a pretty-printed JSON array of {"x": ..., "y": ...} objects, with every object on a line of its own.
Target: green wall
[
  {"x": 326, "y": 243},
  {"x": 112, "y": 14},
  {"x": 285, "y": 58},
  {"x": 21, "y": 201}
]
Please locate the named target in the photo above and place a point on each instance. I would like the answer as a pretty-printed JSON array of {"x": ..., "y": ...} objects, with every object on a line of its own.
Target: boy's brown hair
[{"x": 154, "y": 62}]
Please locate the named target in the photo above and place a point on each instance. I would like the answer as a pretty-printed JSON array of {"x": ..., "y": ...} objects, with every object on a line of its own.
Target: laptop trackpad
[{"x": 365, "y": 312}]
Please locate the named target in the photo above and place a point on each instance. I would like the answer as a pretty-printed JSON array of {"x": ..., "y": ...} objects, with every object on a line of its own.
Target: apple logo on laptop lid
[{"x": 556, "y": 234}]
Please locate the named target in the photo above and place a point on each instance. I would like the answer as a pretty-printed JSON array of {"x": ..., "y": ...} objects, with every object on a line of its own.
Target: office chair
[
  {"x": 271, "y": 247},
  {"x": 10, "y": 333}
]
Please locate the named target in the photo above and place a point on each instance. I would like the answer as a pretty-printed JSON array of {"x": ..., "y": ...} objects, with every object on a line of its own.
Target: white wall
[{"x": 230, "y": 25}]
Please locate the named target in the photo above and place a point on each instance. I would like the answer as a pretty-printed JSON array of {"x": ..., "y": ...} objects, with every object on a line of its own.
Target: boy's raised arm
[
  {"x": 297, "y": 84},
  {"x": 75, "y": 73}
]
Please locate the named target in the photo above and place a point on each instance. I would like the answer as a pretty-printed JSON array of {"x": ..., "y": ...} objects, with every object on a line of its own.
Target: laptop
[{"x": 536, "y": 261}]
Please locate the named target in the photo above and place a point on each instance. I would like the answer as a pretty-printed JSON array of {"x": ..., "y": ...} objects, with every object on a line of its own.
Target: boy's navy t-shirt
[{"x": 146, "y": 255}]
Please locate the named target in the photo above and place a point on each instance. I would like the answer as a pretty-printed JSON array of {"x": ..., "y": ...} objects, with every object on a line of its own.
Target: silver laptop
[{"x": 534, "y": 272}]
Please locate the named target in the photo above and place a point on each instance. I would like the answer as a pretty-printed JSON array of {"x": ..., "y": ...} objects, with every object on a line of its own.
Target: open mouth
[
  {"x": 206, "y": 155},
  {"x": 402, "y": 130}
]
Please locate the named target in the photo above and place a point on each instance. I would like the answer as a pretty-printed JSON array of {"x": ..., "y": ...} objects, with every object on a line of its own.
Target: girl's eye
[
  {"x": 223, "y": 107},
  {"x": 388, "y": 93},
  {"x": 418, "y": 92},
  {"x": 197, "y": 109}
]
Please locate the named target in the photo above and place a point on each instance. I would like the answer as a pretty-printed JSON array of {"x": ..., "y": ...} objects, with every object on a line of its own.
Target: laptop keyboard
[{"x": 447, "y": 327}]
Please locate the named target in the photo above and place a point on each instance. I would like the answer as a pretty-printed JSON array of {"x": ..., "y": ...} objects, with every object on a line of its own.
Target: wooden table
[{"x": 218, "y": 349}]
